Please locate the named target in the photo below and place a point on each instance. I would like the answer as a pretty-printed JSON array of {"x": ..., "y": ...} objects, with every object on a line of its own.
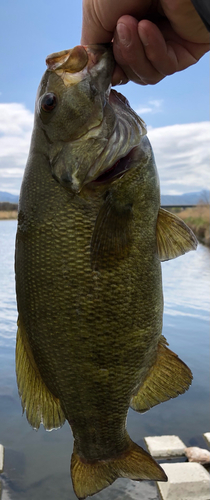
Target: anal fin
[
  {"x": 91, "y": 477},
  {"x": 168, "y": 378},
  {"x": 40, "y": 404}
]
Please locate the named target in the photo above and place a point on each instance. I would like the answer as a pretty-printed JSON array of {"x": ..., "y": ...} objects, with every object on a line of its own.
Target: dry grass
[
  {"x": 8, "y": 214},
  {"x": 198, "y": 219}
]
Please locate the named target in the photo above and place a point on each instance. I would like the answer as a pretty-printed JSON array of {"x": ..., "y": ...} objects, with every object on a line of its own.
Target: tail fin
[{"x": 91, "y": 477}]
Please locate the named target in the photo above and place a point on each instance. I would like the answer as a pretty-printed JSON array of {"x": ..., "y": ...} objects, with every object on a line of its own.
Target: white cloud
[
  {"x": 153, "y": 106},
  {"x": 182, "y": 154},
  {"x": 14, "y": 118},
  {"x": 16, "y": 124}
]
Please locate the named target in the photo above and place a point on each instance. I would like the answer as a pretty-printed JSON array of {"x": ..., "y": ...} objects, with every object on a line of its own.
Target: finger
[
  {"x": 166, "y": 50},
  {"x": 130, "y": 55},
  {"x": 185, "y": 20},
  {"x": 100, "y": 17},
  {"x": 160, "y": 54},
  {"x": 119, "y": 77},
  {"x": 93, "y": 30}
]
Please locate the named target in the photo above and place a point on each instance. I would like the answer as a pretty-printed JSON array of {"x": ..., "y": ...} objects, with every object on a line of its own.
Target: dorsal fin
[{"x": 174, "y": 237}]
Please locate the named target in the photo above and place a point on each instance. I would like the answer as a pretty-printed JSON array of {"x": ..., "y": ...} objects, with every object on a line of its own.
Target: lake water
[{"x": 37, "y": 463}]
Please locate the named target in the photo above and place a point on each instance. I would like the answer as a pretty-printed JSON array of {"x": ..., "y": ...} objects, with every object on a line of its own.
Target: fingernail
[{"x": 123, "y": 33}]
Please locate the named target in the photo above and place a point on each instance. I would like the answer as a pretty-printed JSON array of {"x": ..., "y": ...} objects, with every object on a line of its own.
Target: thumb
[{"x": 92, "y": 28}]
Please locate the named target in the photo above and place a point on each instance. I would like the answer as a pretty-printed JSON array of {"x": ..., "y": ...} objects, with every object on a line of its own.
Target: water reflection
[
  {"x": 37, "y": 463},
  {"x": 8, "y": 310},
  {"x": 186, "y": 284}
]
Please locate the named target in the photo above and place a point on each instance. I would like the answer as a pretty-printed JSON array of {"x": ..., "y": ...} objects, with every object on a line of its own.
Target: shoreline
[
  {"x": 8, "y": 214},
  {"x": 197, "y": 218}
]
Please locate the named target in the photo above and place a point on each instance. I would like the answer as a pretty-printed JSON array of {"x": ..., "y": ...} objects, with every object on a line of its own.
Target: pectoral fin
[
  {"x": 174, "y": 237},
  {"x": 168, "y": 378},
  {"x": 91, "y": 477},
  {"x": 111, "y": 238},
  {"x": 40, "y": 404}
]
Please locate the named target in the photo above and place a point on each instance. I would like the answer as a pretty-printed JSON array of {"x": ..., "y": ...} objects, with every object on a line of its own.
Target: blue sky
[{"x": 29, "y": 31}]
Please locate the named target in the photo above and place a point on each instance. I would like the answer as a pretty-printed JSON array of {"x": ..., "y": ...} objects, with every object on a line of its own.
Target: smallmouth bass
[{"x": 91, "y": 237}]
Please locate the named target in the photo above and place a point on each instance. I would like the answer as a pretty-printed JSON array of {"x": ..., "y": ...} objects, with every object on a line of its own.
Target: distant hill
[
  {"x": 11, "y": 198},
  {"x": 166, "y": 199},
  {"x": 185, "y": 199}
]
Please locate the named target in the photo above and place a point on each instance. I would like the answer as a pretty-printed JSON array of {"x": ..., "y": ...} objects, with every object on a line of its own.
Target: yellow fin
[
  {"x": 174, "y": 237},
  {"x": 40, "y": 404},
  {"x": 168, "y": 378},
  {"x": 91, "y": 477},
  {"x": 111, "y": 238}
]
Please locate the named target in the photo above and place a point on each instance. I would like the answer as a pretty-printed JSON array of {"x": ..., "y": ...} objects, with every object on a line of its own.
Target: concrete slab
[
  {"x": 207, "y": 437},
  {"x": 1, "y": 458},
  {"x": 186, "y": 481},
  {"x": 165, "y": 446}
]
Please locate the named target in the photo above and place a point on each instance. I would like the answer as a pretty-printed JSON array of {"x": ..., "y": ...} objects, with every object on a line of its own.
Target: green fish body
[{"x": 90, "y": 240}]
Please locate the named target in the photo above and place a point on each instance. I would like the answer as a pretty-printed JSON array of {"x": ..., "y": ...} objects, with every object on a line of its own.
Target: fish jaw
[{"x": 92, "y": 126}]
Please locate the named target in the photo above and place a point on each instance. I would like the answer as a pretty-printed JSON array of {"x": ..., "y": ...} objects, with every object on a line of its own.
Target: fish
[{"x": 90, "y": 240}]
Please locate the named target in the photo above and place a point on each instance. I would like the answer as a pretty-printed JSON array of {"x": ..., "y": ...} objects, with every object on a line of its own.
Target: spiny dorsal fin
[
  {"x": 168, "y": 378},
  {"x": 174, "y": 237},
  {"x": 91, "y": 477},
  {"x": 40, "y": 404},
  {"x": 111, "y": 238}
]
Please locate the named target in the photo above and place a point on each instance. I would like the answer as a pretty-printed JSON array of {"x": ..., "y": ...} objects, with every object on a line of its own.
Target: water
[{"x": 37, "y": 463}]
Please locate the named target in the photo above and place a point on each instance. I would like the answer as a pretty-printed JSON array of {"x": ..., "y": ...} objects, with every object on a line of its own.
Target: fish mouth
[
  {"x": 74, "y": 65},
  {"x": 117, "y": 170}
]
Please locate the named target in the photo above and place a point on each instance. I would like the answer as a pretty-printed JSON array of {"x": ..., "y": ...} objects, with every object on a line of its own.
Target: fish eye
[{"x": 49, "y": 102}]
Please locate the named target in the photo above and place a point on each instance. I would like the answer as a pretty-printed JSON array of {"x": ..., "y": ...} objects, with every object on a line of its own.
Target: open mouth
[{"x": 117, "y": 170}]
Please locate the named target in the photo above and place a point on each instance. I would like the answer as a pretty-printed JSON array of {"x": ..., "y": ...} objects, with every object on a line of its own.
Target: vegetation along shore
[
  {"x": 8, "y": 210},
  {"x": 197, "y": 218}
]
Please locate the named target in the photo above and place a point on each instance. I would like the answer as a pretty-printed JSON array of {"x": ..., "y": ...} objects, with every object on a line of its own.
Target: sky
[{"x": 176, "y": 110}]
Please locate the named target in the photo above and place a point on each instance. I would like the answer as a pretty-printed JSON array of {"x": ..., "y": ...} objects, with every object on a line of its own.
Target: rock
[{"x": 199, "y": 455}]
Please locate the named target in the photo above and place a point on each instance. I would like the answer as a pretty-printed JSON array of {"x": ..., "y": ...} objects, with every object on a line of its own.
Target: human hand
[{"x": 172, "y": 37}]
